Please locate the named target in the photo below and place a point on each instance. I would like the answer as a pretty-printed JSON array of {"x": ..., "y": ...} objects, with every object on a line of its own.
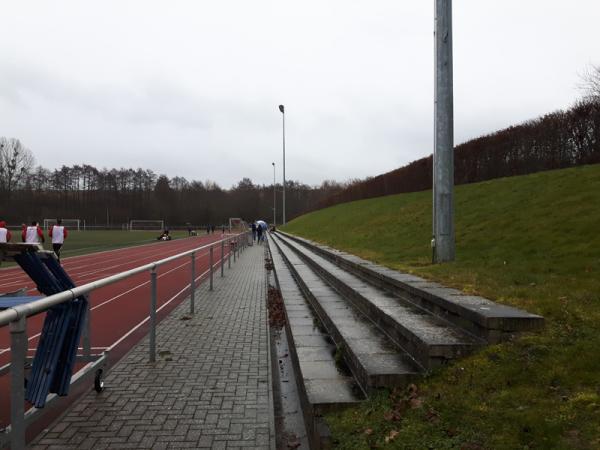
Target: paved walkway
[{"x": 210, "y": 386}]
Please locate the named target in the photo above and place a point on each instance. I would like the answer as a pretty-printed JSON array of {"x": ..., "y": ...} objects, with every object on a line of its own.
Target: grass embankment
[{"x": 532, "y": 242}]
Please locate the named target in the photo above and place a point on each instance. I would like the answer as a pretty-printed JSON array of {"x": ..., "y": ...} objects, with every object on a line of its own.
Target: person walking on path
[
  {"x": 33, "y": 234},
  {"x": 58, "y": 233},
  {"x": 253, "y": 231},
  {"x": 259, "y": 233},
  {"x": 5, "y": 235}
]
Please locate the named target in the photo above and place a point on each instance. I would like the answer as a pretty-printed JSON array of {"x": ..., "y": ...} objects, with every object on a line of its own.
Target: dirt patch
[
  {"x": 291, "y": 440},
  {"x": 276, "y": 310},
  {"x": 268, "y": 264}
]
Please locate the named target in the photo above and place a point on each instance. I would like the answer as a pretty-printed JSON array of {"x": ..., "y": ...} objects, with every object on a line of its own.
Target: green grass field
[
  {"x": 83, "y": 242},
  {"x": 532, "y": 242}
]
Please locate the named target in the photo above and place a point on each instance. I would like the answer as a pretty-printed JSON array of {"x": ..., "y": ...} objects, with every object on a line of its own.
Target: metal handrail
[
  {"x": 16, "y": 317},
  {"x": 29, "y": 309}
]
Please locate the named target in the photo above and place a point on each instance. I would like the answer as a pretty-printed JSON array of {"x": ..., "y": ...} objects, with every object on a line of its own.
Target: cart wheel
[{"x": 98, "y": 381}]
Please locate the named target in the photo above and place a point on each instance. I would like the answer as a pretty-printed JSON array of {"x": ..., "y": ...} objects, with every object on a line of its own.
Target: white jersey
[
  {"x": 3, "y": 234},
  {"x": 58, "y": 234},
  {"x": 31, "y": 235}
]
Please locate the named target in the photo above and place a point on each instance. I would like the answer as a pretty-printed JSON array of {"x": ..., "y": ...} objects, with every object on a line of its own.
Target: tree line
[
  {"x": 558, "y": 140},
  {"x": 112, "y": 197}
]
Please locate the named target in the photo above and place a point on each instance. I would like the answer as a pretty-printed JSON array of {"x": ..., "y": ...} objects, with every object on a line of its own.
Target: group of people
[
  {"x": 190, "y": 230},
  {"x": 164, "y": 236},
  {"x": 33, "y": 234},
  {"x": 211, "y": 229},
  {"x": 258, "y": 231}
]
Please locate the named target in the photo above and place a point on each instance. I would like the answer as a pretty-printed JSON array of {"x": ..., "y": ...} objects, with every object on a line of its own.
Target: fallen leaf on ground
[{"x": 390, "y": 437}]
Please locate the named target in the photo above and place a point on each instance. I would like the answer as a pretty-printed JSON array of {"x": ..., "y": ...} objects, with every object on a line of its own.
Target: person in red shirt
[
  {"x": 32, "y": 234},
  {"x": 5, "y": 235},
  {"x": 58, "y": 233}
]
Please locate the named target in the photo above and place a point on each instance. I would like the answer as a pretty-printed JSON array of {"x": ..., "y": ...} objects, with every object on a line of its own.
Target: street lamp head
[{"x": 281, "y": 108}]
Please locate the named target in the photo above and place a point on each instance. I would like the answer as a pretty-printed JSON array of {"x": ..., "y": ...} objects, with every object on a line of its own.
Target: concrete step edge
[
  {"x": 480, "y": 316},
  {"x": 429, "y": 354},
  {"x": 368, "y": 381}
]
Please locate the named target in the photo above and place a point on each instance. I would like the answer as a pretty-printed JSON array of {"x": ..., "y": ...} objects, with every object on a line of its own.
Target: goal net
[
  {"x": 146, "y": 225},
  {"x": 237, "y": 225},
  {"x": 70, "y": 224}
]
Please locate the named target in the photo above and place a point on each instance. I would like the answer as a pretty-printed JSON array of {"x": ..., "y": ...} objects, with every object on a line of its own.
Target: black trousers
[{"x": 56, "y": 248}]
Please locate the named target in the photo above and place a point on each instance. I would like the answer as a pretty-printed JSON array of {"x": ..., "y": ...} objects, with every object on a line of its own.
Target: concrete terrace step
[
  {"x": 322, "y": 386},
  {"x": 477, "y": 315},
  {"x": 373, "y": 359},
  {"x": 430, "y": 340}
]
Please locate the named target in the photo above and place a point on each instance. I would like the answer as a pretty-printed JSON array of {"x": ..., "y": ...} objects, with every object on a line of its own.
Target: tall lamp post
[
  {"x": 274, "y": 198},
  {"x": 282, "y": 109},
  {"x": 443, "y": 156}
]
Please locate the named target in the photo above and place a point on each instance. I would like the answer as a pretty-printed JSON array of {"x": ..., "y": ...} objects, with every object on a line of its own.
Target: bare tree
[
  {"x": 590, "y": 83},
  {"x": 16, "y": 161}
]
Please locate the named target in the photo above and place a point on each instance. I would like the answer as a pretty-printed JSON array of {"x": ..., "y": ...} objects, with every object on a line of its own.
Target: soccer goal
[
  {"x": 237, "y": 225},
  {"x": 70, "y": 224},
  {"x": 146, "y": 225}
]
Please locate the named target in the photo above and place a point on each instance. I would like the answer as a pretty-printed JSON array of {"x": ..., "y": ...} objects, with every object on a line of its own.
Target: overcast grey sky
[{"x": 191, "y": 88}]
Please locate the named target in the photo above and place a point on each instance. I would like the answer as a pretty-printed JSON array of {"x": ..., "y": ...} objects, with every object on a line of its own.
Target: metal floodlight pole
[
  {"x": 274, "y": 198},
  {"x": 443, "y": 156},
  {"x": 282, "y": 109}
]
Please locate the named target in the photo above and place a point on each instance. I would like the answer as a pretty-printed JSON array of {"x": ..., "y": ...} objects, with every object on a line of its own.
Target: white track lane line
[
  {"x": 113, "y": 250},
  {"x": 179, "y": 244},
  {"x": 85, "y": 278},
  {"x": 78, "y": 278},
  {"x": 74, "y": 275},
  {"x": 121, "y": 257},
  {"x": 4, "y": 350},
  {"x": 126, "y": 335}
]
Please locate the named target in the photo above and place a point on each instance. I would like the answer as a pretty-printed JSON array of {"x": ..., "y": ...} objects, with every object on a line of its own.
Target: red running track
[{"x": 119, "y": 312}]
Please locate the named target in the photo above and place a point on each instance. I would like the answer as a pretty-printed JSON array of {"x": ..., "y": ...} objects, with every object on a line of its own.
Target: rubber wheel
[{"x": 98, "y": 381}]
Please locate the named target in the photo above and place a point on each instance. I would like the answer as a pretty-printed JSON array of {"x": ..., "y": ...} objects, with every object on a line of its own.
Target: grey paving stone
[{"x": 213, "y": 393}]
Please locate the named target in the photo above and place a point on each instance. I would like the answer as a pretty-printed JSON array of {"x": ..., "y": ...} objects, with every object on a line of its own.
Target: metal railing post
[
  {"x": 234, "y": 249},
  {"x": 153, "y": 315},
  {"x": 85, "y": 338},
  {"x": 222, "y": 259},
  {"x": 229, "y": 254},
  {"x": 210, "y": 261},
  {"x": 18, "y": 351},
  {"x": 193, "y": 284}
]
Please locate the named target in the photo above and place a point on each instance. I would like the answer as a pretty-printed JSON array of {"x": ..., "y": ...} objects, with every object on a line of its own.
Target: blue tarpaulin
[{"x": 56, "y": 352}]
